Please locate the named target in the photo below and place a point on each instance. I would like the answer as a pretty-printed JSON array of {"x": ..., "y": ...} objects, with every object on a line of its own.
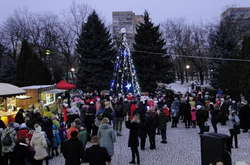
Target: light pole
[
  {"x": 73, "y": 74},
  {"x": 187, "y": 68}
]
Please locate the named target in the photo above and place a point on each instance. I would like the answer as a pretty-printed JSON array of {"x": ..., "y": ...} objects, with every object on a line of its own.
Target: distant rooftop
[{"x": 237, "y": 13}]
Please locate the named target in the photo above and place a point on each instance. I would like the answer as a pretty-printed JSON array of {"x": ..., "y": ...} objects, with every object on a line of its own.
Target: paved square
[{"x": 183, "y": 148}]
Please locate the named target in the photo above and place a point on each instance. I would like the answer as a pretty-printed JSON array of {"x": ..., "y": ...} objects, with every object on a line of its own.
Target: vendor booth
[
  {"x": 44, "y": 95},
  {"x": 8, "y": 103}
]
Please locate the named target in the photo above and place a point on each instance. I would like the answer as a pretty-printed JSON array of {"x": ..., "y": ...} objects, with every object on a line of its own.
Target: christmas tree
[{"x": 124, "y": 76}]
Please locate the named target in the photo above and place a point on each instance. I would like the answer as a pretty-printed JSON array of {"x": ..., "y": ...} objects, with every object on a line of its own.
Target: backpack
[{"x": 7, "y": 140}]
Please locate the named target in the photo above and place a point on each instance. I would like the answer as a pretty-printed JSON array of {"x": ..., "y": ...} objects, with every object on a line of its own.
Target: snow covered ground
[{"x": 177, "y": 87}]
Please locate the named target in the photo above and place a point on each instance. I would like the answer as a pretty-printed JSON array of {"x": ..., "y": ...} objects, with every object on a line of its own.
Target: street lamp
[
  {"x": 73, "y": 74},
  {"x": 47, "y": 52},
  {"x": 187, "y": 68}
]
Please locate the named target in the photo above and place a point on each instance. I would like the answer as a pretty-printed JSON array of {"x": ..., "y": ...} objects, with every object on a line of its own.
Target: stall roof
[
  {"x": 10, "y": 90},
  {"x": 56, "y": 91},
  {"x": 37, "y": 86}
]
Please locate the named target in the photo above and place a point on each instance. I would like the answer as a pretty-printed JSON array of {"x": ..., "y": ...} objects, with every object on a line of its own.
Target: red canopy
[{"x": 64, "y": 85}]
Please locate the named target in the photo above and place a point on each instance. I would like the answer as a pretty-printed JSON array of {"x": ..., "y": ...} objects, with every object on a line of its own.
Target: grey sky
[{"x": 194, "y": 11}]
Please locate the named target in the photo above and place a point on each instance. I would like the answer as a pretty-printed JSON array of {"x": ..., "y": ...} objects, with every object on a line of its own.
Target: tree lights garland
[{"x": 124, "y": 76}]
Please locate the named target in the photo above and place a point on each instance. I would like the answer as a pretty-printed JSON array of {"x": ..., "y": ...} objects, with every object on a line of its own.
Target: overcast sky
[{"x": 194, "y": 11}]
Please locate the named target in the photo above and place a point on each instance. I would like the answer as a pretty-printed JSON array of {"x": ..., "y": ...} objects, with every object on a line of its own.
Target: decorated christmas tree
[{"x": 124, "y": 77}]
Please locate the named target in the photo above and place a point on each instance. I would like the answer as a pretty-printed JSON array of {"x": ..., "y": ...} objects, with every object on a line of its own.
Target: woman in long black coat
[
  {"x": 244, "y": 115},
  {"x": 133, "y": 141}
]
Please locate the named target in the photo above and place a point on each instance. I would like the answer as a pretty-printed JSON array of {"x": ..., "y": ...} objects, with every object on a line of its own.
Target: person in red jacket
[
  {"x": 65, "y": 113},
  {"x": 133, "y": 107}
]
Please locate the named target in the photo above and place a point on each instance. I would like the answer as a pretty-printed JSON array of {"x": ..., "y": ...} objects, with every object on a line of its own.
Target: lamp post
[
  {"x": 187, "y": 68},
  {"x": 72, "y": 70}
]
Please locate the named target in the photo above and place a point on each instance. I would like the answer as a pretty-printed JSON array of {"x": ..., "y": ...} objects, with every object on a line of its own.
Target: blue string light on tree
[{"x": 124, "y": 75}]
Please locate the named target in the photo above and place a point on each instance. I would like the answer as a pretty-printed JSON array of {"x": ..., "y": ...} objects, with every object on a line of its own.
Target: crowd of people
[{"x": 98, "y": 119}]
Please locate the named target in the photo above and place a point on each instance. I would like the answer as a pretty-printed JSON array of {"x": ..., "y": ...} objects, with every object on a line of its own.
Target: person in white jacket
[{"x": 39, "y": 143}]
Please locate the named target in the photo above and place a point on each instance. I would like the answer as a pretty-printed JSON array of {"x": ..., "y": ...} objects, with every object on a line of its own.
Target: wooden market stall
[
  {"x": 41, "y": 96},
  {"x": 8, "y": 104}
]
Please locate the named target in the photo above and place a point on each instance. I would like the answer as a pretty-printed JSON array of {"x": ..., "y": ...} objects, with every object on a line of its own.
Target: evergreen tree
[
  {"x": 7, "y": 66},
  {"x": 244, "y": 83},
  {"x": 225, "y": 43},
  {"x": 30, "y": 69},
  {"x": 96, "y": 53},
  {"x": 152, "y": 67}
]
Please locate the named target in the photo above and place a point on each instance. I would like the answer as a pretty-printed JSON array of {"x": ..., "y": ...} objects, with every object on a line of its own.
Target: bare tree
[
  {"x": 69, "y": 30},
  {"x": 52, "y": 37},
  {"x": 177, "y": 35},
  {"x": 183, "y": 41}
]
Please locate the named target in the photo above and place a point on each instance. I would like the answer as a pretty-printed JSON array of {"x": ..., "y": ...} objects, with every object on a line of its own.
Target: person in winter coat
[
  {"x": 90, "y": 118},
  {"x": 201, "y": 118},
  {"x": 224, "y": 109},
  {"x": 2, "y": 127},
  {"x": 244, "y": 115},
  {"x": 163, "y": 119},
  {"x": 108, "y": 110},
  {"x": 118, "y": 118},
  {"x": 175, "y": 109},
  {"x": 38, "y": 142},
  {"x": 234, "y": 106},
  {"x": 8, "y": 143},
  {"x": 187, "y": 114},
  {"x": 23, "y": 153},
  {"x": 126, "y": 106},
  {"x": 142, "y": 132},
  {"x": 193, "y": 117},
  {"x": 235, "y": 128},
  {"x": 107, "y": 136},
  {"x": 23, "y": 132},
  {"x": 97, "y": 155},
  {"x": 71, "y": 129},
  {"x": 133, "y": 141},
  {"x": 19, "y": 118},
  {"x": 72, "y": 150},
  {"x": 56, "y": 140},
  {"x": 151, "y": 126},
  {"x": 214, "y": 111},
  {"x": 132, "y": 110},
  {"x": 83, "y": 136}
]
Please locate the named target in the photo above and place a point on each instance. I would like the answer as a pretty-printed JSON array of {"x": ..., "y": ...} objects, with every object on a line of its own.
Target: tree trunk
[
  {"x": 201, "y": 77},
  {"x": 182, "y": 77}
]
